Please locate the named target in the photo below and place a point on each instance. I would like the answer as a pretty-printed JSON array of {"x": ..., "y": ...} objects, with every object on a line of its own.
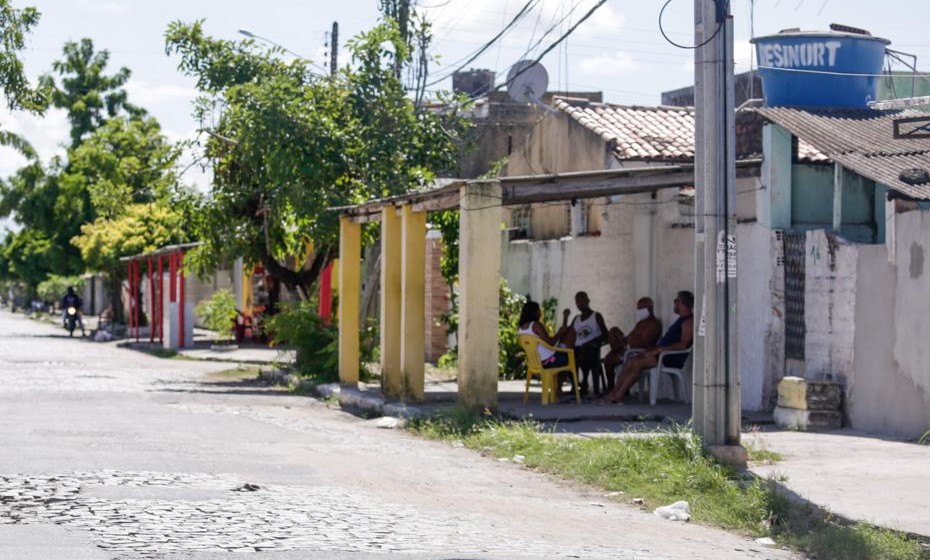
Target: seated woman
[{"x": 530, "y": 323}]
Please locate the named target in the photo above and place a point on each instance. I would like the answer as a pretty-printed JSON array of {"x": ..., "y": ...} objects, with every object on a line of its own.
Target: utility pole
[
  {"x": 334, "y": 49},
  {"x": 716, "y": 412}
]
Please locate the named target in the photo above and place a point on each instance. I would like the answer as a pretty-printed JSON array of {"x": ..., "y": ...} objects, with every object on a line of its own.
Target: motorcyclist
[{"x": 71, "y": 299}]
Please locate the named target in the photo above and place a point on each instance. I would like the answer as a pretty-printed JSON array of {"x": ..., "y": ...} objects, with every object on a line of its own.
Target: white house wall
[
  {"x": 829, "y": 305},
  {"x": 867, "y": 317},
  {"x": 646, "y": 248}
]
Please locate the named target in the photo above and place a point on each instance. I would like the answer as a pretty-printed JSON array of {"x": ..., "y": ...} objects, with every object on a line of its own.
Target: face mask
[{"x": 641, "y": 314}]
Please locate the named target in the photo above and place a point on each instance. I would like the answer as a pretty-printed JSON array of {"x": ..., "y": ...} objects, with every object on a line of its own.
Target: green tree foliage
[
  {"x": 288, "y": 144},
  {"x": 15, "y": 25},
  {"x": 90, "y": 96},
  {"x": 125, "y": 161},
  {"x": 120, "y": 161},
  {"x": 55, "y": 287}
]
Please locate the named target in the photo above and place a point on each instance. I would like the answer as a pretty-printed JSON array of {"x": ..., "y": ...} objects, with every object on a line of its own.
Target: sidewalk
[{"x": 853, "y": 474}]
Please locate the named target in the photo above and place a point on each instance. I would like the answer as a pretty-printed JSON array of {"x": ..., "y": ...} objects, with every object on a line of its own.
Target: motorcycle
[{"x": 71, "y": 319}]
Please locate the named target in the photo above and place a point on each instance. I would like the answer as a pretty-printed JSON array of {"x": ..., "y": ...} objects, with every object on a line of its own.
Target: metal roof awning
[
  {"x": 862, "y": 140},
  {"x": 167, "y": 249},
  {"x": 546, "y": 188}
]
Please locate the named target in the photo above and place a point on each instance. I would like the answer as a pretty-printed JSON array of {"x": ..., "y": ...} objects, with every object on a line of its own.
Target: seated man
[
  {"x": 590, "y": 334},
  {"x": 644, "y": 335},
  {"x": 678, "y": 337}
]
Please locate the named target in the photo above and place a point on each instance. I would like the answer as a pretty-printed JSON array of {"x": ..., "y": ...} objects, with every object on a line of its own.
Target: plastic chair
[
  {"x": 548, "y": 376},
  {"x": 652, "y": 376}
]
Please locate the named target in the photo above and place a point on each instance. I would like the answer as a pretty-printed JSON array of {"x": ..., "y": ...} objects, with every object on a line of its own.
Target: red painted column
[
  {"x": 129, "y": 300},
  {"x": 161, "y": 301},
  {"x": 152, "y": 300},
  {"x": 133, "y": 298},
  {"x": 181, "y": 340},
  {"x": 326, "y": 294}
]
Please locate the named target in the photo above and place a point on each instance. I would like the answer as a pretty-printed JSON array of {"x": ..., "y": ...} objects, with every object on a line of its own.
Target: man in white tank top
[{"x": 590, "y": 335}]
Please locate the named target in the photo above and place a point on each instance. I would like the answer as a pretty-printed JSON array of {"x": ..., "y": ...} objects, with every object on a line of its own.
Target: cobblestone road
[{"x": 129, "y": 456}]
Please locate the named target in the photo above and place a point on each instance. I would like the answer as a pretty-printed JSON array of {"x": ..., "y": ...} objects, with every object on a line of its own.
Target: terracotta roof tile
[{"x": 659, "y": 133}]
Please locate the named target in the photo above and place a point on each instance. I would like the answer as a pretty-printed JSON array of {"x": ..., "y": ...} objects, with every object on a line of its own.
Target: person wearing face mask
[
  {"x": 645, "y": 334},
  {"x": 678, "y": 337}
]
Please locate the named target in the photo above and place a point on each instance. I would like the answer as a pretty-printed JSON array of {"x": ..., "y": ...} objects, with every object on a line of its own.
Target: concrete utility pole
[
  {"x": 334, "y": 49},
  {"x": 716, "y": 410}
]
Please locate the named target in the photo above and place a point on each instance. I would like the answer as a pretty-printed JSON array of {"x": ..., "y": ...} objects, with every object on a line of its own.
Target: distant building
[{"x": 748, "y": 86}]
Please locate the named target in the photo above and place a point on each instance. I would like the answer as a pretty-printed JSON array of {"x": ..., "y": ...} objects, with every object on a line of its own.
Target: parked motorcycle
[{"x": 71, "y": 319}]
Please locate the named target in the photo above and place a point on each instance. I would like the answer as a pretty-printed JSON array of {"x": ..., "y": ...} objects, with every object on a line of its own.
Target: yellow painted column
[
  {"x": 413, "y": 304},
  {"x": 350, "y": 257},
  {"x": 479, "y": 284},
  {"x": 392, "y": 381}
]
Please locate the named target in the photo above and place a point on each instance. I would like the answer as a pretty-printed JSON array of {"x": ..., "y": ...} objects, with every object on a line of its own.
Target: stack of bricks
[{"x": 806, "y": 404}]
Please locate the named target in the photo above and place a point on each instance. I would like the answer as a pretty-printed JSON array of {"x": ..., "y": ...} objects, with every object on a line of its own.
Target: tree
[
  {"x": 140, "y": 229},
  {"x": 125, "y": 161},
  {"x": 127, "y": 169},
  {"x": 15, "y": 25},
  {"x": 51, "y": 202},
  {"x": 288, "y": 144},
  {"x": 89, "y": 95}
]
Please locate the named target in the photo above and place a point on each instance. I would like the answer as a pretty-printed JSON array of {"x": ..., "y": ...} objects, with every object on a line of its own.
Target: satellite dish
[{"x": 527, "y": 81}]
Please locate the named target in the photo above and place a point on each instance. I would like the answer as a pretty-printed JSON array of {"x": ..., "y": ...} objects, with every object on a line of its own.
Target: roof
[
  {"x": 544, "y": 188},
  {"x": 662, "y": 133},
  {"x": 637, "y": 133},
  {"x": 861, "y": 140}
]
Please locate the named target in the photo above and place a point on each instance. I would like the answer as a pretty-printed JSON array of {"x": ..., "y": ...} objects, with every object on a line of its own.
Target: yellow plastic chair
[{"x": 548, "y": 376}]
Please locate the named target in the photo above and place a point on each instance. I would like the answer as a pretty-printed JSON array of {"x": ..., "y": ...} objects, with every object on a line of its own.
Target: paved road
[{"x": 108, "y": 453}]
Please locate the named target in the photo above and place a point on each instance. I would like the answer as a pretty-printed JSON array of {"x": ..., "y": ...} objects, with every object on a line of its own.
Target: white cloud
[
  {"x": 145, "y": 94},
  {"x": 742, "y": 54},
  {"x": 48, "y": 134},
  {"x": 105, "y": 6},
  {"x": 605, "y": 21},
  {"x": 610, "y": 64}
]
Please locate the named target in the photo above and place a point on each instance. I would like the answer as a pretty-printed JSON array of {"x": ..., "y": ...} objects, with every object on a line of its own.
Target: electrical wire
[
  {"x": 556, "y": 43},
  {"x": 680, "y": 46},
  {"x": 522, "y": 13}
]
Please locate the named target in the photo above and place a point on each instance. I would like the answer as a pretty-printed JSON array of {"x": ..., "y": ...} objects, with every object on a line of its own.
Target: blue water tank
[{"x": 819, "y": 69}]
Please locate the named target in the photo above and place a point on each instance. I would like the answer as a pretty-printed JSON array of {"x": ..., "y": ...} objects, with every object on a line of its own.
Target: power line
[
  {"x": 556, "y": 43},
  {"x": 523, "y": 11}
]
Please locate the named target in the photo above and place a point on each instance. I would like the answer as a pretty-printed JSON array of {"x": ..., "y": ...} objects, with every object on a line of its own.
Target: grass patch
[
  {"x": 761, "y": 454},
  {"x": 670, "y": 466},
  {"x": 160, "y": 352},
  {"x": 239, "y": 372}
]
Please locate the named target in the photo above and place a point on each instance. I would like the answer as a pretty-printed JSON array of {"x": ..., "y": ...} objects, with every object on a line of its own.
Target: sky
[{"x": 619, "y": 50}]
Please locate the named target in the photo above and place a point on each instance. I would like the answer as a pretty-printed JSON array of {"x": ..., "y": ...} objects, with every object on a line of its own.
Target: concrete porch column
[
  {"x": 479, "y": 284},
  {"x": 413, "y": 300},
  {"x": 392, "y": 384},
  {"x": 350, "y": 256}
]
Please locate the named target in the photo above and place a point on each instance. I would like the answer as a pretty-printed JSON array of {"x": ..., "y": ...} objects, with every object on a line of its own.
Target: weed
[{"x": 668, "y": 466}]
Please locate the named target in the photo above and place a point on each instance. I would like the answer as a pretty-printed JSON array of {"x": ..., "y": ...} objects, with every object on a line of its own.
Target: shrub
[
  {"x": 55, "y": 287},
  {"x": 317, "y": 344},
  {"x": 218, "y": 313}
]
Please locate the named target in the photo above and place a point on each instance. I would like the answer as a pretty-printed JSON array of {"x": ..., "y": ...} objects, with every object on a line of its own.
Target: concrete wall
[
  {"x": 867, "y": 317},
  {"x": 197, "y": 290}
]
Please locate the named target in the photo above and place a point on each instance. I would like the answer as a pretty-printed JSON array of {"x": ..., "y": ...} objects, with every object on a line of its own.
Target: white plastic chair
[{"x": 677, "y": 374}]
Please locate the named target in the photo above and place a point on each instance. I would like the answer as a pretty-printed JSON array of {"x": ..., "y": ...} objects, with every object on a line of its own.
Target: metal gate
[{"x": 794, "y": 295}]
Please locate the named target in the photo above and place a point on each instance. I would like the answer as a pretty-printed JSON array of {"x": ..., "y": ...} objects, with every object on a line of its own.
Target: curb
[{"x": 351, "y": 396}]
